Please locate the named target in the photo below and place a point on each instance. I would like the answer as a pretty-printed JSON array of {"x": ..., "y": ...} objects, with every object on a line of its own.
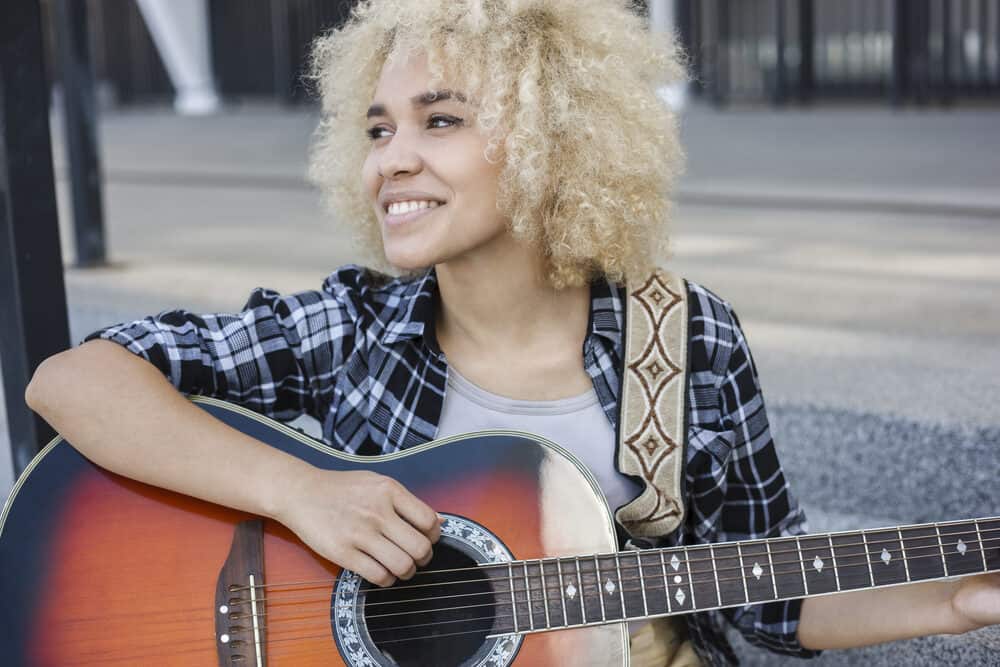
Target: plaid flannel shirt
[{"x": 360, "y": 355}]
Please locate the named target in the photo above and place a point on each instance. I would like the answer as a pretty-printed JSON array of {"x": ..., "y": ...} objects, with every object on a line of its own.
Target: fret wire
[
  {"x": 687, "y": 565},
  {"x": 944, "y": 560},
  {"x": 770, "y": 563},
  {"x": 579, "y": 582},
  {"x": 801, "y": 561},
  {"x": 802, "y": 565},
  {"x": 833, "y": 557},
  {"x": 982, "y": 548},
  {"x": 513, "y": 600},
  {"x": 793, "y": 562},
  {"x": 545, "y": 594},
  {"x": 743, "y": 573},
  {"x": 600, "y": 596},
  {"x": 642, "y": 583},
  {"x": 715, "y": 572},
  {"x": 621, "y": 585},
  {"x": 880, "y": 585},
  {"x": 527, "y": 592},
  {"x": 666, "y": 582},
  {"x": 562, "y": 590},
  {"x": 790, "y": 562},
  {"x": 848, "y": 534},
  {"x": 868, "y": 557},
  {"x": 902, "y": 548}
]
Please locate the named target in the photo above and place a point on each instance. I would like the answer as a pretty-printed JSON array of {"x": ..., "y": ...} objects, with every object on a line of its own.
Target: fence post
[
  {"x": 780, "y": 75},
  {"x": 280, "y": 44},
  {"x": 32, "y": 294},
  {"x": 807, "y": 49},
  {"x": 80, "y": 122},
  {"x": 720, "y": 64},
  {"x": 900, "y": 53}
]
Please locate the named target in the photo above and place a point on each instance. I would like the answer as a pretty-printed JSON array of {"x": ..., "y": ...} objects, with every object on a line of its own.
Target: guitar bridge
[{"x": 239, "y": 599}]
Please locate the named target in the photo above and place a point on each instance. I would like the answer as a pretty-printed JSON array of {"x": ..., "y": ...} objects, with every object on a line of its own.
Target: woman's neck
[
  {"x": 504, "y": 295},
  {"x": 507, "y": 329}
]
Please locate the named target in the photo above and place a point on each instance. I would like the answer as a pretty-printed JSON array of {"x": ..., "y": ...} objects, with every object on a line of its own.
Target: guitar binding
[{"x": 461, "y": 540}]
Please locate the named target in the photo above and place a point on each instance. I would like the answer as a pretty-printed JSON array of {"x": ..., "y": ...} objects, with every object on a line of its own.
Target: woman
[{"x": 514, "y": 167}]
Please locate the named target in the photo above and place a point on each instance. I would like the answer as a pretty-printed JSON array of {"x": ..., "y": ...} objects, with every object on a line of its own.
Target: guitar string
[
  {"x": 631, "y": 568},
  {"x": 666, "y": 550},
  {"x": 799, "y": 563},
  {"x": 531, "y": 611},
  {"x": 285, "y": 624},
  {"x": 272, "y": 639},
  {"x": 285, "y": 600}
]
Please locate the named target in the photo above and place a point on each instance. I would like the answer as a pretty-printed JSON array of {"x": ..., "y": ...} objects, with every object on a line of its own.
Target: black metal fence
[
  {"x": 259, "y": 47},
  {"x": 899, "y": 50},
  {"x": 741, "y": 50}
]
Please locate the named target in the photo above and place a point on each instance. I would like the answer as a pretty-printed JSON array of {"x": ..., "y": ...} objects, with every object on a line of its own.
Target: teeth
[{"x": 403, "y": 207}]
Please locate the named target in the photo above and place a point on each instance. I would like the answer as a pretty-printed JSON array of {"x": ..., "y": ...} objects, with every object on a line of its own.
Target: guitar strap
[
  {"x": 652, "y": 431},
  {"x": 652, "y": 419}
]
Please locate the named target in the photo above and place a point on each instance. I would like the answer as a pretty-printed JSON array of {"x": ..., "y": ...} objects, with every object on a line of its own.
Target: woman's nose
[{"x": 399, "y": 157}]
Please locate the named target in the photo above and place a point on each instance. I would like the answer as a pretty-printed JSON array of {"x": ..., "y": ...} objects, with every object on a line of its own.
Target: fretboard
[{"x": 536, "y": 595}]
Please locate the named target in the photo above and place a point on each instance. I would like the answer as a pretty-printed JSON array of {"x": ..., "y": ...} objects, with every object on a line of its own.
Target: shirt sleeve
[
  {"x": 757, "y": 503},
  {"x": 278, "y": 356}
]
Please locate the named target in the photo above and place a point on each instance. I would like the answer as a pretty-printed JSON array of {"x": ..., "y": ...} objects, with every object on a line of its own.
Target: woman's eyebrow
[{"x": 419, "y": 101}]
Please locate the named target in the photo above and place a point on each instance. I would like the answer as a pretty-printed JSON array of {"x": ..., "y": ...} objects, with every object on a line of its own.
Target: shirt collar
[
  {"x": 607, "y": 311},
  {"x": 414, "y": 313}
]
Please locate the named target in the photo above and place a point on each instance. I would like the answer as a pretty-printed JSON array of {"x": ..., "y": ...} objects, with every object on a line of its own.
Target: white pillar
[
  {"x": 661, "y": 19},
  {"x": 181, "y": 33}
]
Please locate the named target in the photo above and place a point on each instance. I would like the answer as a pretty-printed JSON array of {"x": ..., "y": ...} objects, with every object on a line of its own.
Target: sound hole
[{"x": 439, "y": 617}]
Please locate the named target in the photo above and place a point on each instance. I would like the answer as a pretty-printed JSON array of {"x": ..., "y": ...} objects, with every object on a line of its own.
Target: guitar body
[{"x": 96, "y": 569}]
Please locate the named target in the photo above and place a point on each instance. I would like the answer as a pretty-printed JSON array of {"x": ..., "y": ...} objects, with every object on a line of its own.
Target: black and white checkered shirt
[{"x": 360, "y": 355}]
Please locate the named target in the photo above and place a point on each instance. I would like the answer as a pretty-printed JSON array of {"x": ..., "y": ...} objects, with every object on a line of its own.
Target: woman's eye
[
  {"x": 433, "y": 123},
  {"x": 443, "y": 121}
]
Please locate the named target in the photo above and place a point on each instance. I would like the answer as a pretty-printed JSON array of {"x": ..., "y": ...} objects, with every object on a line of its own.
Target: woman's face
[{"x": 433, "y": 191}]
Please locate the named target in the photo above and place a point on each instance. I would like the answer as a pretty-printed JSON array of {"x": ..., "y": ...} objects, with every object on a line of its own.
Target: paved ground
[{"x": 860, "y": 247}]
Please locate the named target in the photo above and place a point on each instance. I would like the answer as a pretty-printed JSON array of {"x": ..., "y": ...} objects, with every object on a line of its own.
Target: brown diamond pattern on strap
[{"x": 653, "y": 404}]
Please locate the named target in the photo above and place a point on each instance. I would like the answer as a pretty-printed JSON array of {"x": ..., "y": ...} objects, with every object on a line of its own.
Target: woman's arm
[
  {"x": 873, "y": 616},
  {"x": 122, "y": 414}
]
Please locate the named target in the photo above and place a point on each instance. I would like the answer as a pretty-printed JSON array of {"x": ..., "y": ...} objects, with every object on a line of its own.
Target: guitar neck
[{"x": 631, "y": 585}]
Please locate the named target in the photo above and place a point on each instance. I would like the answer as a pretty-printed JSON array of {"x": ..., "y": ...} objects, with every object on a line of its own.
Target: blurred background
[{"x": 842, "y": 192}]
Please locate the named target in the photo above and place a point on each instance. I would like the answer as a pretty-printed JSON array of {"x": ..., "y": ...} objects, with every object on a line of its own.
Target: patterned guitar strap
[{"x": 651, "y": 437}]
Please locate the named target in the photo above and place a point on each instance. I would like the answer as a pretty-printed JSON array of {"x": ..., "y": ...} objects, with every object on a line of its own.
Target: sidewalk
[{"x": 872, "y": 158}]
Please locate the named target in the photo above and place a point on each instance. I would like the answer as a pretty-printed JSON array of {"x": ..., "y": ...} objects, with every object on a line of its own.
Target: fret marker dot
[
  {"x": 224, "y": 609},
  {"x": 678, "y": 578},
  {"x": 886, "y": 556},
  {"x": 571, "y": 591},
  {"x": 818, "y": 564},
  {"x": 224, "y": 639},
  {"x": 609, "y": 586},
  {"x": 675, "y": 563},
  {"x": 680, "y": 597},
  {"x": 961, "y": 548},
  {"x": 757, "y": 570}
]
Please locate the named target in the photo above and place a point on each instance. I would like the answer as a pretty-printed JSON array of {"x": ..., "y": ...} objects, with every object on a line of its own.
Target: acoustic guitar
[{"x": 96, "y": 569}]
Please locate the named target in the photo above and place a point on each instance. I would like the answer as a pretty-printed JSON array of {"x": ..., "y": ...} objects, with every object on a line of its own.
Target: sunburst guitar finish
[{"x": 96, "y": 569}]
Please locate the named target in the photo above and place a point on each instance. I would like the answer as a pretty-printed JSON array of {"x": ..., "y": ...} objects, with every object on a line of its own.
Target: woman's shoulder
[
  {"x": 380, "y": 304},
  {"x": 713, "y": 329},
  {"x": 368, "y": 289}
]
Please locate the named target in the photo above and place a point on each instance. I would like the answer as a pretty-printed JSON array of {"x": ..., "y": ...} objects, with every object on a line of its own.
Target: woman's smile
[{"x": 400, "y": 213}]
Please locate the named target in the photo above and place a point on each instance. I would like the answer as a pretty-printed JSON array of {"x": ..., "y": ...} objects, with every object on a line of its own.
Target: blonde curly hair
[{"x": 566, "y": 91}]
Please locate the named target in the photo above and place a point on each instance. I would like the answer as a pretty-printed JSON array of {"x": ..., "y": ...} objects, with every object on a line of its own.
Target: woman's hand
[
  {"x": 362, "y": 521},
  {"x": 976, "y": 602}
]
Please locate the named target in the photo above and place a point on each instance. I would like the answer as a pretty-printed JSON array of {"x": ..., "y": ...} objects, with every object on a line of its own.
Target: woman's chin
[{"x": 409, "y": 260}]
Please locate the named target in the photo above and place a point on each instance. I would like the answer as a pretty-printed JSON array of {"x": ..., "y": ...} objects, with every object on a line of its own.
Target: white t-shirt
[{"x": 577, "y": 423}]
